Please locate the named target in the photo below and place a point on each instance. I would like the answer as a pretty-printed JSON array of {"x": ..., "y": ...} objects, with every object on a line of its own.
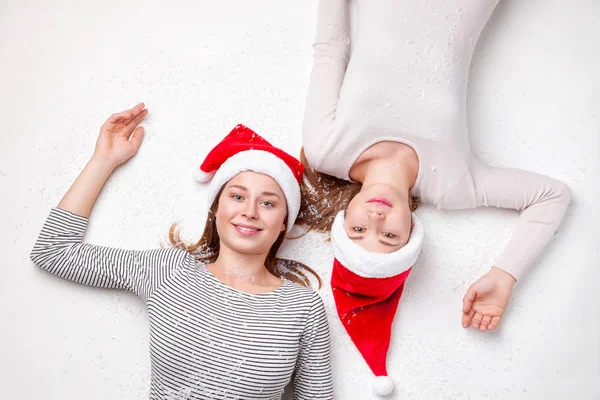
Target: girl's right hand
[{"x": 120, "y": 136}]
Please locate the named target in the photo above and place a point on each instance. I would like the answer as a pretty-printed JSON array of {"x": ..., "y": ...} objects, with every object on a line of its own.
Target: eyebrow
[
  {"x": 246, "y": 189},
  {"x": 355, "y": 237},
  {"x": 270, "y": 194},
  {"x": 380, "y": 241}
]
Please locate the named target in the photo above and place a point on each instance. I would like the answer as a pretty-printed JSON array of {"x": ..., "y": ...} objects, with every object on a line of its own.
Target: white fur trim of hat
[{"x": 375, "y": 265}]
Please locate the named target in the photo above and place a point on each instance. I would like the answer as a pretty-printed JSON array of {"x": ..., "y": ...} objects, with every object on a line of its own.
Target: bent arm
[
  {"x": 60, "y": 250},
  {"x": 542, "y": 202}
]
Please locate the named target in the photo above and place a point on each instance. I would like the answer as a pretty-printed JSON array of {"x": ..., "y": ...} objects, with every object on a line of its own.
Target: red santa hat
[
  {"x": 367, "y": 288},
  {"x": 244, "y": 150}
]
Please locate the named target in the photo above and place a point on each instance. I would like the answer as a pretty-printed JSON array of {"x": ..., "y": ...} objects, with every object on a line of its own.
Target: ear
[{"x": 282, "y": 227}]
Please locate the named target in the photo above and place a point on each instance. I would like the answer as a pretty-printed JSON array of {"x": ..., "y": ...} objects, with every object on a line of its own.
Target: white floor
[{"x": 201, "y": 67}]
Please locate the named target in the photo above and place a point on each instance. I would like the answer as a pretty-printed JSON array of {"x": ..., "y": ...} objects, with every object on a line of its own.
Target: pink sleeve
[
  {"x": 541, "y": 200},
  {"x": 331, "y": 55}
]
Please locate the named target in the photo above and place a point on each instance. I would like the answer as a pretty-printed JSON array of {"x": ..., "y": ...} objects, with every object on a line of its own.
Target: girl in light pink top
[{"x": 385, "y": 126}]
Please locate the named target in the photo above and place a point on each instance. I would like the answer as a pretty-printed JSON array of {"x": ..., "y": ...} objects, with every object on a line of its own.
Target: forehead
[{"x": 253, "y": 181}]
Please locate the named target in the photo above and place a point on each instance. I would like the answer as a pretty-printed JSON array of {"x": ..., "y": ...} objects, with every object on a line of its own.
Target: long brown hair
[
  {"x": 207, "y": 250},
  {"x": 323, "y": 196}
]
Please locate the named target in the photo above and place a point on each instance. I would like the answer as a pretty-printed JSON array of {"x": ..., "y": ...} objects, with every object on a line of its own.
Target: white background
[{"x": 201, "y": 67}]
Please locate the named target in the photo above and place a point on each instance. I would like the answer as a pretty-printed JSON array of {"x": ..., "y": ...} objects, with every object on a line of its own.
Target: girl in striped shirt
[{"x": 228, "y": 319}]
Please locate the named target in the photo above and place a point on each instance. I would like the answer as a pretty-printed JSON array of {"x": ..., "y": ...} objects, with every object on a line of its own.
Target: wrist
[
  {"x": 503, "y": 275},
  {"x": 102, "y": 163}
]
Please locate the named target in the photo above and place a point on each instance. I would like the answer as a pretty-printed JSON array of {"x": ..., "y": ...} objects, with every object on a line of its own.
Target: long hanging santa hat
[
  {"x": 367, "y": 288},
  {"x": 244, "y": 150}
]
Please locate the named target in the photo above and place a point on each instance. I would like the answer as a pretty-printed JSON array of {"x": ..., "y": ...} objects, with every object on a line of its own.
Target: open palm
[
  {"x": 120, "y": 136},
  {"x": 486, "y": 300}
]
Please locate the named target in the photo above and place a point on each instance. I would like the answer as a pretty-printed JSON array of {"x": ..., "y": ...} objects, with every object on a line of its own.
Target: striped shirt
[{"x": 207, "y": 340}]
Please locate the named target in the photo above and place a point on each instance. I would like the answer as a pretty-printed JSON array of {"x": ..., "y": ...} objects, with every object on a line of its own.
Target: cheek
[
  {"x": 219, "y": 217},
  {"x": 227, "y": 208},
  {"x": 348, "y": 222},
  {"x": 274, "y": 219},
  {"x": 402, "y": 220},
  {"x": 220, "y": 223},
  {"x": 352, "y": 214},
  {"x": 223, "y": 214},
  {"x": 353, "y": 203}
]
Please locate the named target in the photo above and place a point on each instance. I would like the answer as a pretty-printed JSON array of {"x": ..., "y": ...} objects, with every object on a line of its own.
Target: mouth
[
  {"x": 382, "y": 201},
  {"x": 246, "y": 230}
]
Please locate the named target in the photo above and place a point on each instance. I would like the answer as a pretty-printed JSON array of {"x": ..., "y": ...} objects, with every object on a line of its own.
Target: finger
[
  {"x": 468, "y": 300},
  {"x": 476, "y": 321},
  {"x": 466, "y": 319},
  {"x": 135, "y": 111},
  {"x": 127, "y": 114},
  {"x": 120, "y": 117},
  {"x": 485, "y": 322},
  {"x": 137, "y": 137},
  {"x": 494, "y": 323},
  {"x": 135, "y": 121}
]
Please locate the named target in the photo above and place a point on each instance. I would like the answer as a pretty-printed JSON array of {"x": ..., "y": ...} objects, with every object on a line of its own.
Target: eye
[
  {"x": 268, "y": 204},
  {"x": 237, "y": 197},
  {"x": 358, "y": 229},
  {"x": 389, "y": 235}
]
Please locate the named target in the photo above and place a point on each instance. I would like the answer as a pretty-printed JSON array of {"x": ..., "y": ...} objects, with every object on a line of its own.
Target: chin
[
  {"x": 379, "y": 188},
  {"x": 390, "y": 190},
  {"x": 248, "y": 246},
  {"x": 241, "y": 246}
]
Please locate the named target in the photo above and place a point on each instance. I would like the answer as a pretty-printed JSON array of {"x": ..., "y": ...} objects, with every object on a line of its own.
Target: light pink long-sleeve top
[{"x": 406, "y": 81}]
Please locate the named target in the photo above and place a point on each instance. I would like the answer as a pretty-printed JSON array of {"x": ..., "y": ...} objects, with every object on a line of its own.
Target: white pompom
[
  {"x": 383, "y": 385},
  {"x": 201, "y": 176}
]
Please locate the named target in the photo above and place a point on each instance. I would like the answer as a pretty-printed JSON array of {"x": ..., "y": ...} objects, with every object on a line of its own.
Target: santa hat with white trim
[
  {"x": 367, "y": 288},
  {"x": 244, "y": 150}
]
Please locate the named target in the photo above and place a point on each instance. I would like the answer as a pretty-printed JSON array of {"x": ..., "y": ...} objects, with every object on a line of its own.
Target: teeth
[{"x": 243, "y": 228}]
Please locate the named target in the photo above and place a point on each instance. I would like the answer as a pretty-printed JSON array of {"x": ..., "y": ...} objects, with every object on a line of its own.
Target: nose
[
  {"x": 250, "y": 211},
  {"x": 375, "y": 215}
]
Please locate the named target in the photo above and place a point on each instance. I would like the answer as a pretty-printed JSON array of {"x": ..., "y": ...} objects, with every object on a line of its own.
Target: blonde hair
[
  {"x": 323, "y": 196},
  {"x": 207, "y": 250}
]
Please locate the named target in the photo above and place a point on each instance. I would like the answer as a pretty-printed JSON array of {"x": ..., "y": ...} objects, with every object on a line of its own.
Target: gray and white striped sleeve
[
  {"x": 313, "y": 376},
  {"x": 59, "y": 250}
]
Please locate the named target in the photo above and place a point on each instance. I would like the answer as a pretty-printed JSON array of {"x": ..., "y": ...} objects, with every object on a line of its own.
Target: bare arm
[{"x": 120, "y": 138}]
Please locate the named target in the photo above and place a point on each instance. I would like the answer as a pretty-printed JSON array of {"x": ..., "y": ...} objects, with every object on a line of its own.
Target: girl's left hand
[
  {"x": 486, "y": 300},
  {"x": 120, "y": 136}
]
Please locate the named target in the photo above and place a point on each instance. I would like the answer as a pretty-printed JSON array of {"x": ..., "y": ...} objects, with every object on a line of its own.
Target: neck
[
  {"x": 233, "y": 268},
  {"x": 396, "y": 172}
]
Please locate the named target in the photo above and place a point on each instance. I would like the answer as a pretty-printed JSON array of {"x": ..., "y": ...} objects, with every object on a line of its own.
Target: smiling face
[
  {"x": 378, "y": 219},
  {"x": 251, "y": 213}
]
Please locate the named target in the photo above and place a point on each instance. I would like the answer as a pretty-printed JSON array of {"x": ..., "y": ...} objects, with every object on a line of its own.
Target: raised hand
[
  {"x": 120, "y": 136},
  {"x": 486, "y": 300}
]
